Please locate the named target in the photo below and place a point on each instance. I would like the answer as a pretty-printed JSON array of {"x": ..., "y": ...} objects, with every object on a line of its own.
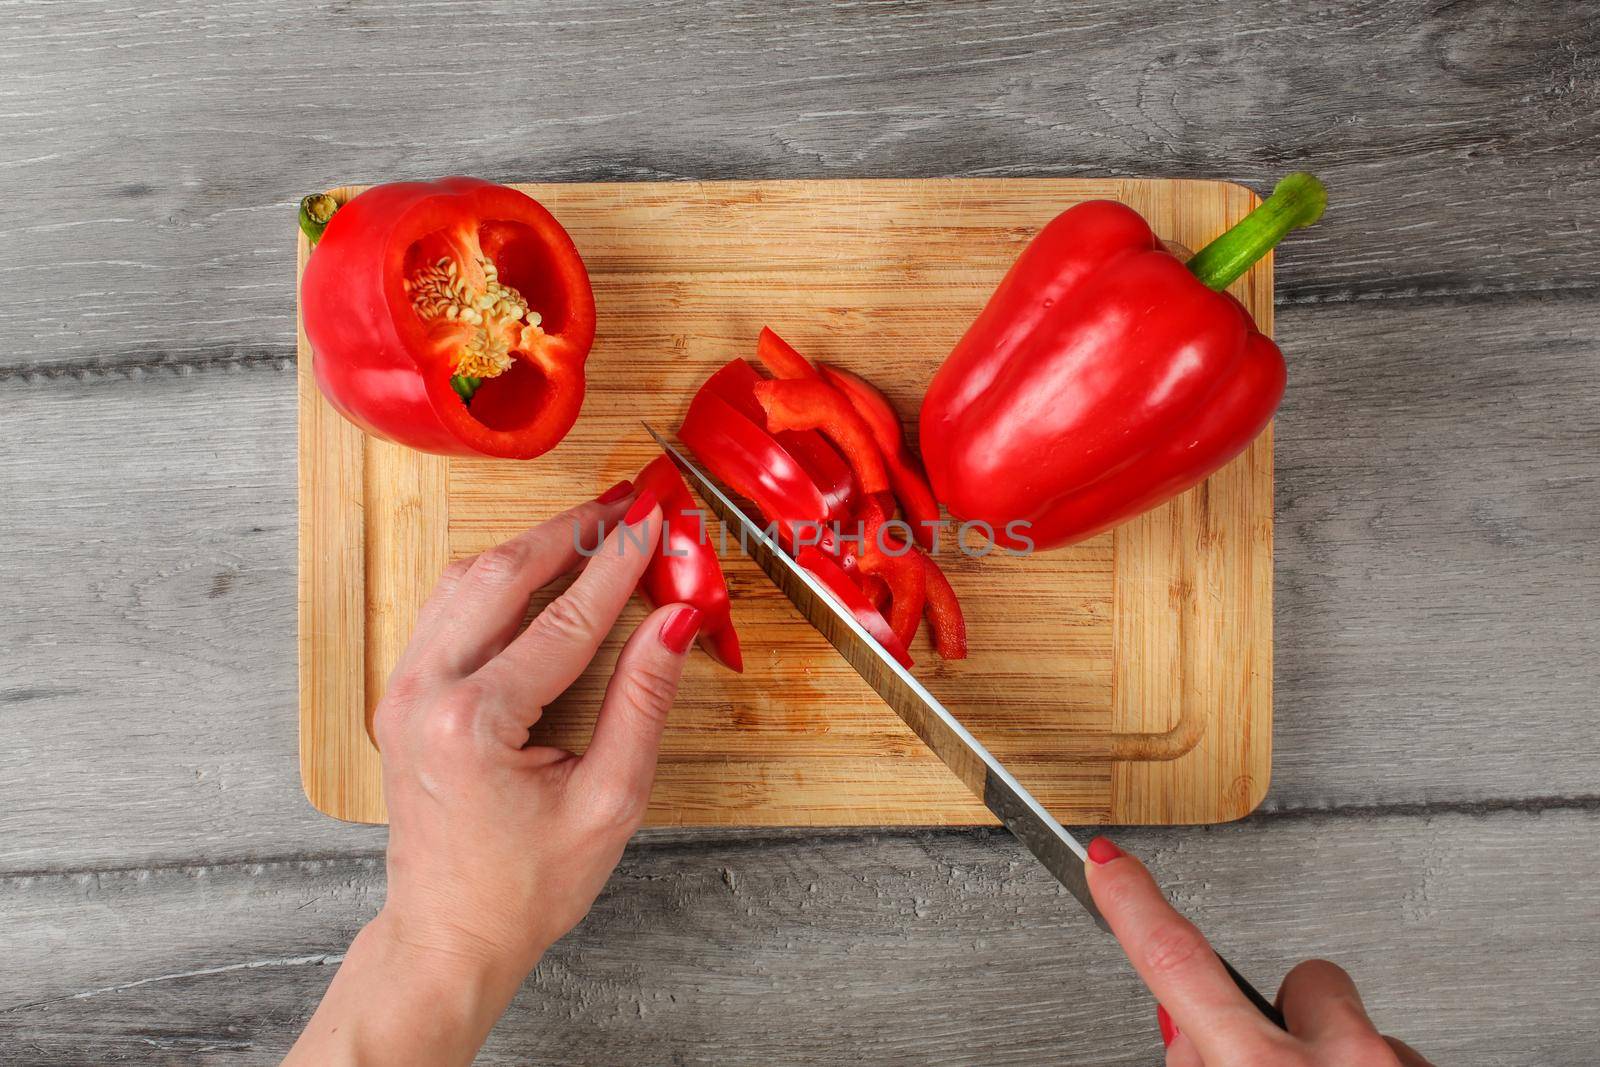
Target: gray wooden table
[{"x": 167, "y": 895}]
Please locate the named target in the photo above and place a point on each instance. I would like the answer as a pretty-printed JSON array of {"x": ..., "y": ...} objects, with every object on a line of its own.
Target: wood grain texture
[
  {"x": 333, "y": 536},
  {"x": 157, "y": 156},
  {"x": 881, "y": 277},
  {"x": 147, "y": 642},
  {"x": 929, "y": 948}
]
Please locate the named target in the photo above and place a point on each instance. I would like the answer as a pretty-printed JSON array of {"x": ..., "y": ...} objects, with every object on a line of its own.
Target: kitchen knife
[{"x": 930, "y": 720}]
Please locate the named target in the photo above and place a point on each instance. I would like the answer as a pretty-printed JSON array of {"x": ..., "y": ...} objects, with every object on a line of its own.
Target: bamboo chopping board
[{"x": 1124, "y": 680}]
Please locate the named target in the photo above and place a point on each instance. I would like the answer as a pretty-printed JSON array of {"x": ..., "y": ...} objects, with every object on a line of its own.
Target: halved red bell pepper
[
  {"x": 905, "y": 473},
  {"x": 1104, "y": 377},
  {"x": 685, "y": 568},
  {"x": 812, "y": 404},
  {"x": 850, "y": 596},
  {"x": 417, "y": 289}
]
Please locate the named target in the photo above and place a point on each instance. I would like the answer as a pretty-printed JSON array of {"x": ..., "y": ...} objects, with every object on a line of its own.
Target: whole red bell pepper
[
  {"x": 685, "y": 569},
  {"x": 452, "y": 316},
  {"x": 1104, "y": 376}
]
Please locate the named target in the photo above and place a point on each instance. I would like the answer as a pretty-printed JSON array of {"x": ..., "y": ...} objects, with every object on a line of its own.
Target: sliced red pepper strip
[
  {"x": 876, "y": 590},
  {"x": 860, "y": 526},
  {"x": 828, "y": 470},
  {"x": 735, "y": 383},
  {"x": 685, "y": 569},
  {"x": 728, "y": 428},
  {"x": 946, "y": 625},
  {"x": 837, "y": 582},
  {"x": 816, "y": 405},
  {"x": 900, "y": 567},
  {"x": 825, "y": 465},
  {"x": 780, "y": 357},
  {"x": 905, "y": 472},
  {"x": 756, "y": 467}
]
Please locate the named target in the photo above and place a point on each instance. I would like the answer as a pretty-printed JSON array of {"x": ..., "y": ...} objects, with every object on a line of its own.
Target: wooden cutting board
[{"x": 1124, "y": 680}]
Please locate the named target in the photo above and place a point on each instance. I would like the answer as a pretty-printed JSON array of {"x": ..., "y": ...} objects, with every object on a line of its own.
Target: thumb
[{"x": 620, "y": 763}]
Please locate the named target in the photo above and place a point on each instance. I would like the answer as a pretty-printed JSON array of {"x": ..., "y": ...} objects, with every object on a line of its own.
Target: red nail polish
[
  {"x": 679, "y": 631},
  {"x": 1101, "y": 850},
  {"x": 642, "y": 507},
  {"x": 1169, "y": 1029},
  {"x": 615, "y": 493}
]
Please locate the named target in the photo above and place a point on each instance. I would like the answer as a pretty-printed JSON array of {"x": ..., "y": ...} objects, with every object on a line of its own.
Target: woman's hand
[
  {"x": 1204, "y": 1019},
  {"x": 496, "y": 848}
]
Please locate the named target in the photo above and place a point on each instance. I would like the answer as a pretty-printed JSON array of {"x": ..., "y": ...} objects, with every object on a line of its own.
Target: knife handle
[{"x": 1263, "y": 1005}]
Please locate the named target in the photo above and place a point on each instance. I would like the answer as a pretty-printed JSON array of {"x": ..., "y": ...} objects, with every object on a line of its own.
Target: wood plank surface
[
  {"x": 1430, "y": 818},
  {"x": 1458, "y": 139},
  {"x": 925, "y": 948},
  {"x": 880, "y": 277}
]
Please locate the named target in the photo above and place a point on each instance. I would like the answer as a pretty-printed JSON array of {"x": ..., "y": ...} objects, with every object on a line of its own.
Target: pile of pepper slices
[{"x": 820, "y": 453}]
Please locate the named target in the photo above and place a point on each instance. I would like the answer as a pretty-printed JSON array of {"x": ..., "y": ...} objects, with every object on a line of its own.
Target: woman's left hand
[{"x": 498, "y": 848}]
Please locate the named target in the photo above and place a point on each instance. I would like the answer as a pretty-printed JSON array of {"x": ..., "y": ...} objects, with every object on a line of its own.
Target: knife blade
[
  {"x": 1017, "y": 809},
  {"x": 1061, "y": 853}
]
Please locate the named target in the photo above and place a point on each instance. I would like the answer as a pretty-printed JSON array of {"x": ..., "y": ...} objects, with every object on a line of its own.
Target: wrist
[
  {"x": 409, "y": 993},
  {"x": 449, "y": 958}
]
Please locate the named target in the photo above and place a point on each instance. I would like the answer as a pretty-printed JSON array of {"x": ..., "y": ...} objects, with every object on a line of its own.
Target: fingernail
[
  {"x": 1169, "y": 1029},
  {"x": 642, "y": 507},
  {"x": 1101, "y": 850},
  {"x": 679, "y": 631},
  {"x": 615, "y": 493}
]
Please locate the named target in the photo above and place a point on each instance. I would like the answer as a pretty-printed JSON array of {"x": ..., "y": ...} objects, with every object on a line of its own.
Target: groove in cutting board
[{"x": 1127, "y": 679}]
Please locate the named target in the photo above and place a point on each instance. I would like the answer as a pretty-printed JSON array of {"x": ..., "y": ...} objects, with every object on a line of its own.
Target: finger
[
  {"x": 617, "y": 771},
  {"x": 1320, "y": 1003},
  {"x": 487, "y": 603},
  {"x": 428, "y": 617},
  {"x": 1173, "y": 958},
  {"x": 548, "y": 656},
  {"x": 1182, "y": 1053},
  {"x": 1408, "y": 1056},
  {"x": 432, "y": 608}
]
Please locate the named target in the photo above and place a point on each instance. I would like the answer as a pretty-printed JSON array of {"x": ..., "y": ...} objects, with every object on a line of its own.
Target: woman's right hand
[{"x": 1205, "y": 1020}]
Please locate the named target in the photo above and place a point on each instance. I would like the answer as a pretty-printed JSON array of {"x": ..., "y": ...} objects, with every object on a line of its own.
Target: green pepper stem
[
  {"x": 1297, "y": 201},
  {"x": 465, "y": 385},
  {"x": 316, "y": 211}
]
